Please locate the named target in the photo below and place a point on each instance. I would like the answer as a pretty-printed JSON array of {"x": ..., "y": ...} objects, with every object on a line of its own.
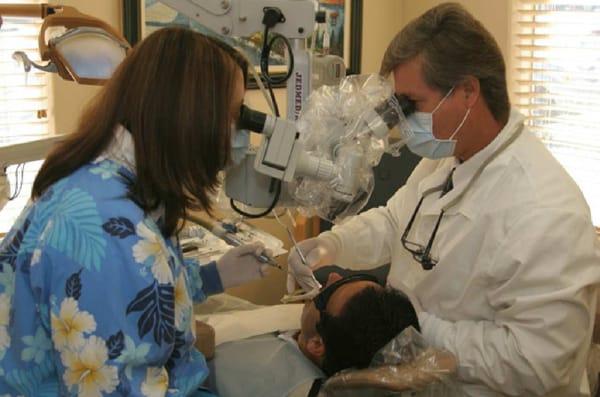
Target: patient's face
[{"x": 310, "y": 315}]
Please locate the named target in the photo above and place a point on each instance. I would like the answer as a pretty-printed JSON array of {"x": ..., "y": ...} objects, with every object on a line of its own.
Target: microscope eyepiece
[
  {"x": 252, "y": 120},
  {"x": 394, "y": 109},
  {"x": 407, "y": 105}
]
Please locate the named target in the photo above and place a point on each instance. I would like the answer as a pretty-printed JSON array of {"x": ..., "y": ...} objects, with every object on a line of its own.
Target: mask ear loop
[
  {"x": 442, "y": 100},
  {"x": 460, "y": 125}
]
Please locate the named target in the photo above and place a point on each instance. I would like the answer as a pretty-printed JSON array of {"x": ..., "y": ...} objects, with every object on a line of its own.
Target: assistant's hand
[
  {"x": 318, "y": 252},
  {"x": 240, "y": 265}
]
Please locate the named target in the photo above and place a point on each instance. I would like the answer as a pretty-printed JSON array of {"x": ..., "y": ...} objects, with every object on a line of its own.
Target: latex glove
[
  {"x": 240, "y": 265},
  {"x": 318, "y": 252}
]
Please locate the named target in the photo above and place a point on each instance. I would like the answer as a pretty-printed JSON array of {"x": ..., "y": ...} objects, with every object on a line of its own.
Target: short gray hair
[{"x": 453, "y": 45}]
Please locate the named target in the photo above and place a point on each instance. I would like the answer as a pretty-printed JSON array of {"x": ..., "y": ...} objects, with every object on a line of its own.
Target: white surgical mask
[
  {"x": 240, "y": 141},
  {"x": 423, "y": 143}
]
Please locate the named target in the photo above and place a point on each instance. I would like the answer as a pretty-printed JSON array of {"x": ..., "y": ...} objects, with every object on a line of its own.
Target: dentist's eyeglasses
[{"x": 420, "y": 253}]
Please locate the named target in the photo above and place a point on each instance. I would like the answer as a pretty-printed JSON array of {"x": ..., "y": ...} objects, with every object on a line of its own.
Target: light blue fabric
[
  {"x": 240, "y": 141},
  {"x": 264, "y": 365},
  {"x": 94, "y": 300}
]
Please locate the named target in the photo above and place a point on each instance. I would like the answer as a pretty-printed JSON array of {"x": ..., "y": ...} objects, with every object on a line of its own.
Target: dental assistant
[
  {"x": 95, "y": 296},
  {"x": 490, "y": 234}
]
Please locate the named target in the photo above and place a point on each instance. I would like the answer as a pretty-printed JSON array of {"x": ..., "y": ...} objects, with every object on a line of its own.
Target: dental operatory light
[{"x": 87, "y": 52}]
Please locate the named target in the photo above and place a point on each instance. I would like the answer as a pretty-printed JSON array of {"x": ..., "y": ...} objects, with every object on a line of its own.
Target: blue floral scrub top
[{"x": 94, "y": 300}]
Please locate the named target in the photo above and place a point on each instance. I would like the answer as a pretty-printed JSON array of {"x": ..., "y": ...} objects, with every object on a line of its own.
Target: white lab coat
[{"x": 514, "y": 293}]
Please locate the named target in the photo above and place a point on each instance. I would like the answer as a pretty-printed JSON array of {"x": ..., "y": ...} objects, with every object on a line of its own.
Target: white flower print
[
  {"x": 68, "y": 327},
  {"x": 152, "y": 251},
  {"x": 36, "y": 256},
  {"x": 87, "y": 369},
  {"x": 156, "y": 382}
]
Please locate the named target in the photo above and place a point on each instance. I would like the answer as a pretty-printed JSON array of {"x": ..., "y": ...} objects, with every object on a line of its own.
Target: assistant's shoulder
[
  {"x": 103, "y": 179},
  {"x": 93, "y": 198}
]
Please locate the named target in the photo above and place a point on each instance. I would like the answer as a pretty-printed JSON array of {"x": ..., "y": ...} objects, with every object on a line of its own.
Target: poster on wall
[
  {"x": 339, "y": 35},
  {"x": 329, "y": 37}
]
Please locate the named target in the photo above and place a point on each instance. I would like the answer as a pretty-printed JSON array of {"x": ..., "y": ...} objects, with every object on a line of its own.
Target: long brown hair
[{"x": 173, "y": 93}]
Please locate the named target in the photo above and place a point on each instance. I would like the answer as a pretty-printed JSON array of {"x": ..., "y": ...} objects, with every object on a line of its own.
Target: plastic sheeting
[
  {"x": 405, "y": 366},
  {"x": 351, "y": 125}
]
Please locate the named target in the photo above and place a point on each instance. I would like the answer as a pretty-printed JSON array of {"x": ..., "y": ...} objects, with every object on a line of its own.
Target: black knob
[
  {"x": 407, "y": 105},
  {"x": 321, "y": 17},
  {"x": 272, "y": 16},
  {"x": 252, "y": 120}
]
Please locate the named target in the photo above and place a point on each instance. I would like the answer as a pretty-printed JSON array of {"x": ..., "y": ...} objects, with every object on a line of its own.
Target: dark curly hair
[{"x": 369, "y": 320}]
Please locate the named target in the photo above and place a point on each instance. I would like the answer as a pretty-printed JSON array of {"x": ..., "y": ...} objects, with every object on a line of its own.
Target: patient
[
  {"x": 350, "y": 320},
  {"x": 343, "y": 327}
]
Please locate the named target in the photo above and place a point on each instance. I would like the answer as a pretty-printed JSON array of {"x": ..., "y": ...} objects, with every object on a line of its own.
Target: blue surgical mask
[
  {"x": 240, "y": 141},
  {"x": 423, "y": 143}
]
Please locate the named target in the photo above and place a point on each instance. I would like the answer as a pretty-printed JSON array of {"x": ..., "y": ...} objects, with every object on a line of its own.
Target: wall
[{"x": 382, "y": 19}]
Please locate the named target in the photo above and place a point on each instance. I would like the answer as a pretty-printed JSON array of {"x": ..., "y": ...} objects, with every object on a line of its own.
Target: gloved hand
[
  {"x": 318, "y": 252},
  {"x": 240, "y": 265}
]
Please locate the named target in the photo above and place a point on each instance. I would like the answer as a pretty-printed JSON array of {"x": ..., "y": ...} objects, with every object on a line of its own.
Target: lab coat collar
[
  {"x": 438, "y": 177},
  {"x": 465, "y": 172}
]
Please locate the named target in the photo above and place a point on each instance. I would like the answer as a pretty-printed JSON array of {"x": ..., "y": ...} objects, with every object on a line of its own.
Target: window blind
[
  {"x": 23, "y": 103},
  {"x": 557, "y": 83}
]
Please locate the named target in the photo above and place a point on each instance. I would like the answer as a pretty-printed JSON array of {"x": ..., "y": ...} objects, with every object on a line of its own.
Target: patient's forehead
[{"x": 344, "y": 293}]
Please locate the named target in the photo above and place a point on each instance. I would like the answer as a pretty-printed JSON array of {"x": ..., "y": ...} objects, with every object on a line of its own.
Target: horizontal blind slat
[
  {"x": 556, "y": 64},
  {"x": 23, "y": 100}
]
